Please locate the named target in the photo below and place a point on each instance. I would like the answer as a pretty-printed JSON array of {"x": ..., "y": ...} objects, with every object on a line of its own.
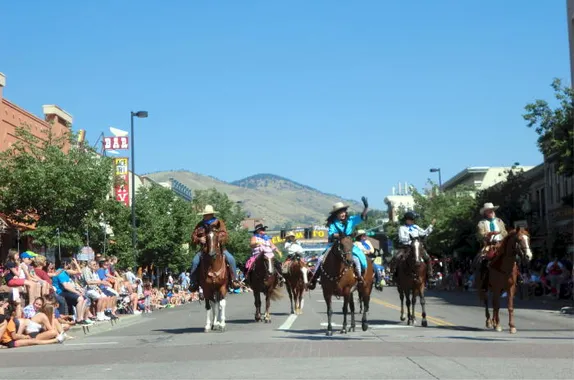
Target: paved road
[{"x": 171, "y": 344}]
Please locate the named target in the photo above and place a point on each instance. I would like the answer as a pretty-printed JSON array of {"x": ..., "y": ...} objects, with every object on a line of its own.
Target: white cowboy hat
[
  {"x": 290, "y": 233},
  {"x": 488, "y": 206},
  {"x": 361, "y": 232},
  {"x": 338, "y": 207},
  {"x": 208, "y": 210}
]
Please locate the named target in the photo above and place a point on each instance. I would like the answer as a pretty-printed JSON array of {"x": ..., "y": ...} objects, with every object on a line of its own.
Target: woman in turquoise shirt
[{"x": 340, "y": 224}]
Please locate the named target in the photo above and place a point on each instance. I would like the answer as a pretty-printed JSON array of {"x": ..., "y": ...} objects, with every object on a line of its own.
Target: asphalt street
[{"x": 172, "y": 344}]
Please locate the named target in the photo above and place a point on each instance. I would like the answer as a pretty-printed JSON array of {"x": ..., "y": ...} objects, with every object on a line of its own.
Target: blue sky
[{"x": 347, "y": 96}]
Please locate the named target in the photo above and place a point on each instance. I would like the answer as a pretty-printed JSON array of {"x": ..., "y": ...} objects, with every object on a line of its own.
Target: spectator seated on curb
[
  {"x": 25, "y": 332},
  {"x": 74, "y": 297},
  {"x": 16, "y": 279},
  {"x": 101, "y": 302}
]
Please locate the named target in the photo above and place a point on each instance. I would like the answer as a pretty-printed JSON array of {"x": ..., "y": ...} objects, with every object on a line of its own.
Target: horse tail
[{"x": 275, "y": 294}]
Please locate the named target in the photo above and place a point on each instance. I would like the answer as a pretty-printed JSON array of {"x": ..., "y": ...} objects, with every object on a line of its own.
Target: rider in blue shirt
[{"x": 340, "y": 224}]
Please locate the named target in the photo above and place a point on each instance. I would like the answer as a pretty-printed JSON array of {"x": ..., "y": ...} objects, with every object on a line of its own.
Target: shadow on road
[
  {"x": 186, "y": 330},
  {"x": 319, "y": 334}
]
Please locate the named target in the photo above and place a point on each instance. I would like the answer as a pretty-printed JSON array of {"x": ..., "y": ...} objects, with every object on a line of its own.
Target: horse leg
[
  {"x": 329, "y": 315},
  {"x": 511, "y": 291},
  {"x": 345, "y": 311},
  {"x": 424, "y": 322},
  {"x": 414, "y": 302},
  {"x": 290, "y": 292},
  {"x": 360, "y": 300},
  {"x": 408, "y": 296},
  {"x": 496, "y": 308},
  {"x": 402, "y": 297},
  {"x": 352, "y": 308},
  {"x": 365, "y": 300},
  {"x": 267, "y": 306},
  {"x": 257, "y": 296},
  {"x": 299, "y": 298},
  {"x": 209, "y": 319},
  {"x": 222, "y": 305}
]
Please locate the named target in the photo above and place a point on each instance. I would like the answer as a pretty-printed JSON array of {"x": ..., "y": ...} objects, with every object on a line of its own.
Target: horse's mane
[{"x": 504, "y": 244}]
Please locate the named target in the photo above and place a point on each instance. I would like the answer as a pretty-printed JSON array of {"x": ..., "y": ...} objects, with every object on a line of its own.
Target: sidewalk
[{"x": 98, "y": 327}]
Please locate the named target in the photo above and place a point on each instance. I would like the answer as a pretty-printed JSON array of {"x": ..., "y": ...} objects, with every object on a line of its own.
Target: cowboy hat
[
  {"x": 338, "y": 207},
  {"x": 361, "y": 232},
  {"x": 208, "y": 210},
  {"x": 290, "y": 234},
  {"x": 488, "y": 206},
  {"x": 259, "y": 227}
]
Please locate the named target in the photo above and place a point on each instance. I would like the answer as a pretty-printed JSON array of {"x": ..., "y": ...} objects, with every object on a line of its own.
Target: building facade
[{"x": 479, "y": 178}]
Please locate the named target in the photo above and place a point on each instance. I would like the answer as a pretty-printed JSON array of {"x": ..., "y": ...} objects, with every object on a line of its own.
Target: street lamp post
[
  {"x": 435, "y": 170},
  {"x": 140, "y": 114}
]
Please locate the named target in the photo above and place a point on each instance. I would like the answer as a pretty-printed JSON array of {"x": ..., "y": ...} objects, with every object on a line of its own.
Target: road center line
[
  {"x": 436, "y": 321},
  {"x": 288, "y": 323}
]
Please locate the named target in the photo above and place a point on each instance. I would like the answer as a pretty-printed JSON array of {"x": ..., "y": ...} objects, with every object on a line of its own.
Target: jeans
[{"x": 228, "y": 257}]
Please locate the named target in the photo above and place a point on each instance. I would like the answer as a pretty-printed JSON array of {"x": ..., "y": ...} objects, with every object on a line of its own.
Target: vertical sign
[{"x": 121, "y": 180}]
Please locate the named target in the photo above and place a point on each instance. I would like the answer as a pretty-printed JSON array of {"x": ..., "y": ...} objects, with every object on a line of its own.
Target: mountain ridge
[{"x": 278, "y": 200}]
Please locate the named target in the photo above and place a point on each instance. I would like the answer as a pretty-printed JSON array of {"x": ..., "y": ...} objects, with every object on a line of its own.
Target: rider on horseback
[
  {"x": 293, "y": 248},
  {"x": 340, "y": 225},
  {"x": 408, "y": 229},
  {"x": 363, "y": 243},
  {"x": 260, "y": 243},
  {"x": 198, "y": 237},
  {"x": 491, "y": 230}
]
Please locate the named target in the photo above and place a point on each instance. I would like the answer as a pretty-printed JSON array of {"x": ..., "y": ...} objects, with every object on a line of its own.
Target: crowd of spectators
[{"x": 41, "y": 303}]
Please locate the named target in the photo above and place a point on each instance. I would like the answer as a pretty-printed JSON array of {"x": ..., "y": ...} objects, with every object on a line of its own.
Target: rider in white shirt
[
  {"x": 408, "y": 229},
  {"x": 292, "y": 247}
]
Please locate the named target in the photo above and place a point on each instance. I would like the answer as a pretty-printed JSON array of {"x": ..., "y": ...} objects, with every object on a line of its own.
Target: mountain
[{"x": 278, "y": 200}]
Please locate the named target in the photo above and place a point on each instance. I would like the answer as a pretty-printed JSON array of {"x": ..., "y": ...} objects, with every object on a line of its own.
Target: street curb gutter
[{"x": 98, "y": 327}]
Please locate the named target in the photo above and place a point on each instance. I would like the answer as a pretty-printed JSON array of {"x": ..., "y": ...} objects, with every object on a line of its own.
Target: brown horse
[
  {"x": 338, "y": 278},
  {"x": 263, "y": 278},
  {"x": 296, "y": 282},
  {"x": 501, "y": 274},
  {"x": 412, "y": 277},
  {"x": 213, "y": 279}
]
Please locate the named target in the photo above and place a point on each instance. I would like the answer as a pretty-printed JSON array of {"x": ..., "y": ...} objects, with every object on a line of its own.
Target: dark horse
[
  {"x": 412, "y": 277},
  {"x": 213, "y": 279},
  {"x": 263, "y": 278},
  {"x": 500, "y": 275},
  {"x": 338, "y": 278},
  {"x": 296, "y": 282}
]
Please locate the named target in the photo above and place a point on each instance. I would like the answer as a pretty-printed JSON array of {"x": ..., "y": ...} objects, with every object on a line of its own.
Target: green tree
[
  {"x": 163, "y": 223},
  {"x": 454, "y": 212},
  {"x": 373, "y": 219},
  {"x": 231, "y": 213},
  {"x": 554, "y": 126},
  {"x": 51, "y": 183}
]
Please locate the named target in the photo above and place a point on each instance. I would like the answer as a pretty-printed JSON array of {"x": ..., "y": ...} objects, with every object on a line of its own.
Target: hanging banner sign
[
  {"x": 121, "y": 180},
  {"x": 116, "y": 143}
]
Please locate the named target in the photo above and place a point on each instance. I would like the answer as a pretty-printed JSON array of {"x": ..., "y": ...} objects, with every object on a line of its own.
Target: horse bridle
[{"x": 341, "y": 251}]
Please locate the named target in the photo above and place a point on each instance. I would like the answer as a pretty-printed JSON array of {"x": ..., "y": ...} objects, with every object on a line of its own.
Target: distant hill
[{"x": 278, "y": 200}]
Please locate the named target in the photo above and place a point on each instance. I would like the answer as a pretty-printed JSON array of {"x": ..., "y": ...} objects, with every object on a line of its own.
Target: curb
[{"x": 98, "y": 327}]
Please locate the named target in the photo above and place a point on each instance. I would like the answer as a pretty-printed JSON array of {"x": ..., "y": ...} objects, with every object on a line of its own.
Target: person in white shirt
[
  {"x": 293, "y": 247},
  {"x": 555, "y": 273},
  {"x": 408, "y": 229}
]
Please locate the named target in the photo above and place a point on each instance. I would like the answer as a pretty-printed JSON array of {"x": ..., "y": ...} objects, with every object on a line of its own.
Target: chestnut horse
[
  {"x": 412, "y": 277},
  {"x": 501, "y": 274},
  {"x": 264, "y": 279},
  {"x": 213, "y": 279},
  {"x": 296, "y": 282},
  {"x": 338, "y": 279}
]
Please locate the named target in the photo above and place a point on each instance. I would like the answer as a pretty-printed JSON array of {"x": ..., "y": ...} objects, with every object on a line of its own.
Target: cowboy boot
[
  {"x": 279, "y": 275},
  {"x": 194, "y": 286}
]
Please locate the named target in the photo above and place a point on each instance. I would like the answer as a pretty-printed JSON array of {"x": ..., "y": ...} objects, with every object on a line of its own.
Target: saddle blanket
[{"x": 250, "y": 262}]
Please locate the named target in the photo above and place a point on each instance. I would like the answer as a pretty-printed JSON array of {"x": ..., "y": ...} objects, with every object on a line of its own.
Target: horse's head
[
  {"x": 344, "y": 246},
  {"x": 212, "y": 242},
  {"x": 523, "y": 244},
  {"x": 416, "y": 247}
]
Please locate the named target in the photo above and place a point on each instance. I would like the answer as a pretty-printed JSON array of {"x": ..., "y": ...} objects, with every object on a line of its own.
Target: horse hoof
[
  {"x": 352, "y": 329},
  {"x": 329, "y": 333},
  {"x": 513, "y": 330},
  {"x": 365, "y": 326},
  {"x": 498, "y": 328},
  {"x": 424, "y": 323},
  {"x": 343, "y": 331},
  {"x": 403, "y": 318},
  {"x": 207, "y": 329},
  {"x": 488, "y": 325},
  {"x": 414, "y": 322}
]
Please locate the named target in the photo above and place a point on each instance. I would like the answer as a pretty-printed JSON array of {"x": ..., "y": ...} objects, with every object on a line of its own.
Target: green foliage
[
  {"x": 164, "y": 222},
  {"x": 373, "y": 219},
  {"x": 42, "y": 177},
  {"x": 554, "y": 126},
  {"x": 454, "y": 212},
  {"x": 231, "y": 213}
]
